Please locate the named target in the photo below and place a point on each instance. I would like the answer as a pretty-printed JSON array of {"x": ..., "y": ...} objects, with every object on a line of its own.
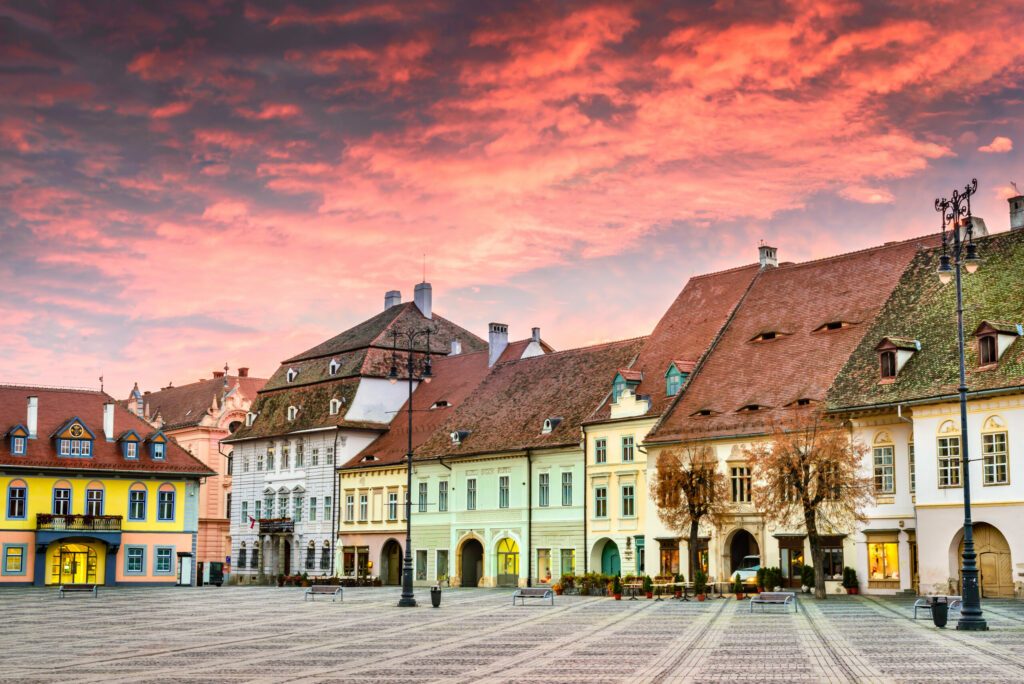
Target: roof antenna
[
  {"x": 424, "y": 267},
  {"x": 1015, "y": 188},
  {"x": 225, "y": 373},
  {"x": 101, "y": 383}
]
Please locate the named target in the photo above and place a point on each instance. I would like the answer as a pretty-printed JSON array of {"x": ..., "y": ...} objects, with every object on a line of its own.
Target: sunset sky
[{"x": 236, "y": 181}]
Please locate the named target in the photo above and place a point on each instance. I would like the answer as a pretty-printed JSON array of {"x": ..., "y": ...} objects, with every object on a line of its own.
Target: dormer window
[
  {"x": 888, "y": 364},
  {"x": 893, "y": 354},
  {"x": 766, "y": 336},
  {"x": 335, "y": 407},
  {"x": 250, "y": 417},
  {"x": 157, "y": 446},
  {"x": 550, "y": 424},
  {"x": 625, "y": 379},
  {"x": 750, "y": 408},
  {"x": 676, "y": 375},
  {"x": 332, "y": 367},
  {"x": 803, "y": 402},
  {"x": 19, "y": 440},
  {"x": 832, "y": 325},
  {"x": 159, "y": 451},
  {"x": 292, "y": 412},
  {"x": 130, "y": 445},
  {"x": 291, "y": 375},
  {"x": 704, "y": 413},
  {"x": 441, "y": 403},
  {"x": 369, "y": 457},
  {"x": 988, "y": 352},
  {"x": 994, "y": 338},
  {"x": 459, "y": 436},
  {"x": 74, "y": 440},
  {"x": 18, "y": 446}
]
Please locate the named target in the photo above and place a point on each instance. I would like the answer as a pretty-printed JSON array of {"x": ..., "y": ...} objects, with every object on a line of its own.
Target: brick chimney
[
  {"x": 218, "y": 374},
  {"x": 243, "y": 372},
  {"x": 497, "y": 341},
  {"x": 392, "y": 298}
]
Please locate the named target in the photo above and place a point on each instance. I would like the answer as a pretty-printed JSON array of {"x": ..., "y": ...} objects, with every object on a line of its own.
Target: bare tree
[
  {"x": 810, "y": 469},
  {"x": 687, "y": 488}
]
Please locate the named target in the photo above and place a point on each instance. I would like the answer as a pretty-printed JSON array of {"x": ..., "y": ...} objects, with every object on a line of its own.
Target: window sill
[
  {"x": 951, "y": 486},
  {"x": 995, "y": 484}
]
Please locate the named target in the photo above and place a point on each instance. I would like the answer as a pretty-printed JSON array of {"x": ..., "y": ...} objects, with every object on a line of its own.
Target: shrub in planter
[
  {"x": 807, "y": 577},
  {"x": 850, "y": 582},
  {"x": 617, "y": 588},
  {"x": 648, "y": 587},
  {"x": 568, "y": 582},
  {"x": 761, "y": 572},
  {"x": 737, "y": 587},
  {"x": 557, "y": 588},
  {"x": 700, "y": 585},
  {"x": 280, "y": 580},
  {"x": 678, "y": 579}
]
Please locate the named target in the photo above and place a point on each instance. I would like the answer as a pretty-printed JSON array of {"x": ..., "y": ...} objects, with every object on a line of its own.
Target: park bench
[
  {"x": 924, "y": 603},
  {"x": 782, "y": 598},
  {"x": 78, "y": 589},
  {"x": 533, "y": 593},
  {"x": 335, "y": 592}
]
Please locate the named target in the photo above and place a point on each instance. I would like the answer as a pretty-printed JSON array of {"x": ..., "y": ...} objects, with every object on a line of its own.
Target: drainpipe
[
  {"x": 529, "y": 518},
  {"x": 586, "y": 553},
  {"x": 334, "y": 504}
]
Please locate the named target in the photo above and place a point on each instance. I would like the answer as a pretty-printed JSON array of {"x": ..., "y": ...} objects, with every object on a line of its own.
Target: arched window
[
  {"x": 241, "y": 555},
  {"x": 165, "y": 502},
  {"x": 325, "y": 556},
  {"x": 17, "y": 500},
  {"x": 137, "y": 496},
  {"x": 94, "y": 498},
  {"x": 292, "y": 412},
  {"x": 311, "y": 556},
  {"x": 62, "y": 498}
]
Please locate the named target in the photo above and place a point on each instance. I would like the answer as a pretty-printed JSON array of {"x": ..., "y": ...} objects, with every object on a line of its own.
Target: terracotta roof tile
[{"x": 186, "y": 405}]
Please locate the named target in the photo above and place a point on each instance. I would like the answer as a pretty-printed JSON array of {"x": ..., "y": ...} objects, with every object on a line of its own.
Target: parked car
[{"x": 747, "y": 569}]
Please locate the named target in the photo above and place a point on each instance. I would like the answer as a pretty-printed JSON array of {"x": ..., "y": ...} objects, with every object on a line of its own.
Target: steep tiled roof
[
  {"x": 507, "y": 410},
  {"x": 57, "y": 407},
  {"x": 685, "y": 331},
  {"x": 800, "y": 365},
  {"x": 186, "y": 405},
  {"x": 922, "y": 309}
]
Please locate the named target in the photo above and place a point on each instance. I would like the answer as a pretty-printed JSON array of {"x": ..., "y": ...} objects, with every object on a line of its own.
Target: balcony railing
[
  {"x": 89, "y": 523},
  {"x": 270, "y": 525}
]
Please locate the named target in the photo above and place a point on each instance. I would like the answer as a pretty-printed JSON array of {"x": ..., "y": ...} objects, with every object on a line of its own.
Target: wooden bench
[
  {"x": 334, "y": 591},
  {"x": 533, "y": 593},
  {"x": 925, "y": 603},
  {"x": 78, "y": 589},
  {"x": 782, "y": 598}
]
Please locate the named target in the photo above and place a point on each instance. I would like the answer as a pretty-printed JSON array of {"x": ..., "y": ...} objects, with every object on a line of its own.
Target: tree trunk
[
  {"x": 694, "y": 524},
  {"x": 817, "y": 556}
]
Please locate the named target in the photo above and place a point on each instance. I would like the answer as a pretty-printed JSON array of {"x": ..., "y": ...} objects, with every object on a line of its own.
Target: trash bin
[
  {"x": 940, "y": 611},
  {"x": 435, "y": 596}
]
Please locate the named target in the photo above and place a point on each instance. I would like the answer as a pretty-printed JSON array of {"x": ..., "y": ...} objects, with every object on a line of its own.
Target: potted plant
[
  {"x": 617, "y": 588},
  {"x": 678, "y": 589},
  {"x": 807, "y": 578},
  {"x": 850, "y": 580},
  {"x": 761, "y": 572},
  {"x": 648, "y": 587},
  {"x": 280, "y": 580},
  {"x": 435, "y": 596},
  {"x": 700, "y": 585},
  {"x": 737, "y": 587},
  {"x": 557, "y": 588},
  {"x": 305, "y": 579}
]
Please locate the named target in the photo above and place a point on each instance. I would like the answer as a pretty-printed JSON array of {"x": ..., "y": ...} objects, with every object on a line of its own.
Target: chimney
[
  {"x": 497, "y": 340},
  {"x": 423, "y": 297},
  {"x": 218, "y": 374},
  {"x": 1016, "y": 212},
  {"x": 767, "y": 256},
  {"x": 243, "y": 372},
  {"x": 108, "y": 420},
  {"x": 978, "y": 228},
  {"x": 392, "y": 298},
  {"x": 536, "y": 335},
  {"x": 33, "y": 417},
  {"x": 456, "y": 347}
]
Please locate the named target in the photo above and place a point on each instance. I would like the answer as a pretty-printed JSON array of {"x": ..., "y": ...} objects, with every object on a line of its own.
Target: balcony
[
  {"x": 276, "y": 525},
  {"x": 84, "y": 523}
]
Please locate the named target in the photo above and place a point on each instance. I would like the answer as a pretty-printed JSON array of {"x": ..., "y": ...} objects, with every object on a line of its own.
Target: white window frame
[{"x": 989, "y": 464}]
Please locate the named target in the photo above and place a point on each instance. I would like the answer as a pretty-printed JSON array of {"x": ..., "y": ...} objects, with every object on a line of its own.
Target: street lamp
[
  {"x": 408, "y": 599},
  {"x": 956, "y": 213}
]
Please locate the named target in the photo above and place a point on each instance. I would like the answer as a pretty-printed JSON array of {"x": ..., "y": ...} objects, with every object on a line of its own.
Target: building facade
[{"x": 93, "y": 494}]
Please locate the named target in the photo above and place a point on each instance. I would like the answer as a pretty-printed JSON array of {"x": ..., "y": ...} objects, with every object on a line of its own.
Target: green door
[{"x": 610, "y": 564}]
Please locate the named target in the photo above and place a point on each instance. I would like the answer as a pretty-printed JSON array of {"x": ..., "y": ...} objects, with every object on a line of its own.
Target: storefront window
[
  {"x": 544, "y": 565},
  {"x": 669, "y": 558},
  {"x": 568, "y": 561},
  {"x": 832, "y": 550},
  {"x": 883, "y": 561}
]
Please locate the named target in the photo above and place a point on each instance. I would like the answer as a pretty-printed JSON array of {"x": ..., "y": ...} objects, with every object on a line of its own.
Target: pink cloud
[
  {"x": 867, "y": 195},
  {"x": 999, "y": 145},
  {"x": 170, "y": 110}
]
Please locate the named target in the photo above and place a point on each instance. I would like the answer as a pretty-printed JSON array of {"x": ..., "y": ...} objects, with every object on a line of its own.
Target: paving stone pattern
[{"x": 268, "y": 634}]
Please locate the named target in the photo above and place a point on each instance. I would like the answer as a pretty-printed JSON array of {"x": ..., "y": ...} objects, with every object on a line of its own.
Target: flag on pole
[{"x": 252, "y": 522}]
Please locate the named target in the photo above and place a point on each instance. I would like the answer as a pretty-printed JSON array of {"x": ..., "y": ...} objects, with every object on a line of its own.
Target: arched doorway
[
  {"x": 508, "y": 563},
  {"x": 742, "y": 544},
  {"x": 610, "y": 562},
  {"x": 994, "y": 567},
  {"x": 391, "y": 563},
  {"x": 76, "y": 564},
  {"x": 287, "y": 557},
  {"x": 472, "y": 565}
]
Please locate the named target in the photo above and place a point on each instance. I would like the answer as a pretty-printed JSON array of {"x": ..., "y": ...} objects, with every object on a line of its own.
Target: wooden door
[{"x": 994, "y": 564}]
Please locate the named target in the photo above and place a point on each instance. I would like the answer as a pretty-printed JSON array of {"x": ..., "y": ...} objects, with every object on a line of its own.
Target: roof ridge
[
  {"x": 576, "y": 349},
  {"x": 51, "y": 388},
  {"x": 710, "y": 274},
  {"x": 844, "y": 255}
]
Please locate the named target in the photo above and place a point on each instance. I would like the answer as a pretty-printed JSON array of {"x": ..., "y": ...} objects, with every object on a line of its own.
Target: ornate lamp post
[
  {"x": 956, "y": 213},
  {"x": 409, "y": 338}
]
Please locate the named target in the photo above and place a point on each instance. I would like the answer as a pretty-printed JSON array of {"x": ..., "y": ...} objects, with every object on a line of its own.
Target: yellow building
[{"x": 92, "y": 494}]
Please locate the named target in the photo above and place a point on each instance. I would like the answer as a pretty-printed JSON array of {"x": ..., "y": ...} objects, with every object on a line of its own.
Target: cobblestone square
[{"x": 272, "y": 635}]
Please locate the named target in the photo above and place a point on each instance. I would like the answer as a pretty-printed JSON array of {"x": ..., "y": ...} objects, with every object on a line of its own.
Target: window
[
  {"x": 158, "y": 451},
  {"x": 421, "y": 564},
  {"x": 883, "y": 561},
  {"x": 997, "y": 467},
  {"x": 250, "y": 417},
  {"x": 230, "y": 465},
  {"x": 135, "y": 560},
  {"x": 325, "y": 556},
  {"x": 471, "y": 494},
  {"x": 131, "y": 450},
  {"x": 17, "y": 496},
  {"x": 363, "y": 507},
  {"x": 244, "y": 517},
  {"x": 18, "y": 446},
  {"x": 268, "y": 505},
  {"x": 832, "y": 550},
  {"x": 740, "y": 484},
  {"x": 442, "y": 495},
  {"x": 76, "y": 447},
  {"x": 601, "y": 450},
  {"x": 282, "y": 506},
  {"x": 328, "y": 511},
  {"x": 300, "y": 456},
  {"x": 503, "y": 491},
  {"x": 292, "y": 412},
  {"x": 335, "y": 407},
  {"x": 628, "y": 505},
  {"x": 949, "y": 461},
  {"x": 567, "y": 488},
  {"x": 568, "y": 561},
  {"x": 285, "y": 457},
  {"x": 165, "y": 503},
  {"x": 62, "y": 501},
  {"x": 314, "y": 457},
  {"x": 988, "y": 351},
  {"x": 242, "y": 557},
  {"x": 627, "y": 449},
  {"x": 669, "y": 557},
  {"x": 544, "y": 565},
  {"x": 163, "y": 564},
  {"x": 312, "y": 509},
  {"x": 256, "y": 509},
  {"x": 65, "y": 447},
  {"x": 350, "y": 508},
  {"x": 330, "y": 455},
  {"x": 422, "y": 502},
  {"x": 884, "y": 470},
  {"x": 94, "y": 502},
  {"x": 298, "y": 505},
  {"x": 442, "y": 565},
  {"x": 673, "y": 381},
  {"x": 765, "y": 336},
  {"x": 618, "y": 387},
  {"x": 311, "y": 556},
  {"x": 137, "y": 502},
  {"x": 255, "y": 562},
  {"x": 601, "y": 502},
  {"x": 291, "y": 375},
  {"x": 245, "y": 464},
  {"x": 887, "y": 359},
  {"x": 544, "y": 489},
  {"x": 333, "y": 366},
  {"x": 913, "y": 467},
  {"x": 392, "y": 505},
  {"x": 259, "y": 462}
]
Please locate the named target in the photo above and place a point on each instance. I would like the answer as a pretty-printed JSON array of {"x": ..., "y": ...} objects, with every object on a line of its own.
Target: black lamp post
[
  {"x": 408, "y": 599},
  {"x": 956, "y": 213}
]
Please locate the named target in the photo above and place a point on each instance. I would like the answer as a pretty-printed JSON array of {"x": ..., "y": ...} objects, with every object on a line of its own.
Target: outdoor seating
[
  {"x": 533, "y": 593},
  {"x": 78, "y": 589},
  {"x": 783, "y": 598},
  {"x": 335, "y": 592},
  {"x": 924, "y": 603}
]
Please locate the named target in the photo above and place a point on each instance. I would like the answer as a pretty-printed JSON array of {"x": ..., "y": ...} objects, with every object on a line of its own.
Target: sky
[{"x": 184, "y": 184}]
